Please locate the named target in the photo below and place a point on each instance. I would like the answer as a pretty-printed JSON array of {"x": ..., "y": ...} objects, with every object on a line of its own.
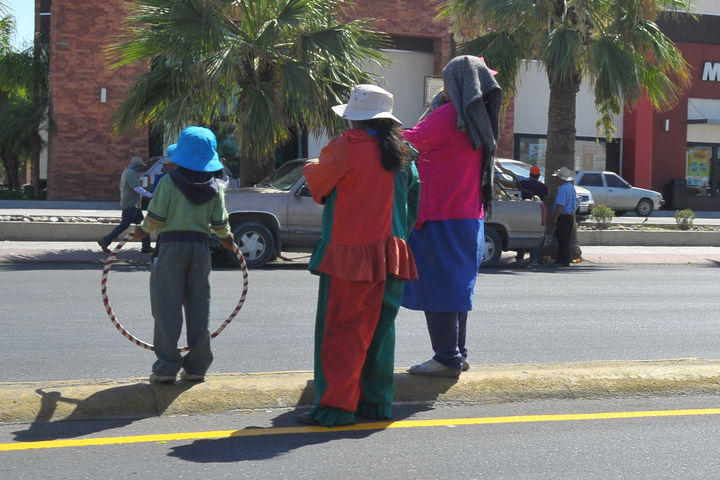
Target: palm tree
[
  {"x": 614, "y": 44},
  {"x": 266, "y": 68},
  {"x": 24, "y": 104}
]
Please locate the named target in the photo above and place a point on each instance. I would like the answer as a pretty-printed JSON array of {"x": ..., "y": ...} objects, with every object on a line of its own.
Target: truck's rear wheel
[{"x": 492, "y": 248}]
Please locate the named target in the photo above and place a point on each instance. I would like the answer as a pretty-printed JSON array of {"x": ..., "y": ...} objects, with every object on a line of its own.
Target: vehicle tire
[
  {"x": 644, "y": 207},
  {"x": 256, "y": 243},
  {"x": 492, "y": 249}
]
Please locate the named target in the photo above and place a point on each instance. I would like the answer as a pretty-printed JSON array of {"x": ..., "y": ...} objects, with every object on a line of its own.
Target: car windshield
[
  {"x": 284, "y": 177},
  {"x": 521, "y": 170}
]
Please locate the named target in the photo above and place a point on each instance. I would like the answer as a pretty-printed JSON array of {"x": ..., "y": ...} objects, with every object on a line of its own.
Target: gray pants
[{"x": 181, "y": 278}]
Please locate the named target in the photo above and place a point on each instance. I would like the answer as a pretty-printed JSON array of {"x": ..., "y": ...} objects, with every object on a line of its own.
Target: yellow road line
[{"x": 256, "y": 432}]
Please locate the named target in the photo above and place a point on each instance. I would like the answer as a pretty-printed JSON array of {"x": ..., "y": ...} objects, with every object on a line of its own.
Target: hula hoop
[{"x": 125, "y": 333}]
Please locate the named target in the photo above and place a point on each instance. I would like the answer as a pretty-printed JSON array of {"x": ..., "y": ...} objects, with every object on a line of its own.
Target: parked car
[
  {"x": 609, "y": 188},
  {"x": 279, "y": 213},
  {"x": 154, "y": 168},
  {"x": 521, "y": 170}
]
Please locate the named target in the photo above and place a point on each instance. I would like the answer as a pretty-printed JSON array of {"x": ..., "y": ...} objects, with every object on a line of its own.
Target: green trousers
[{"x": 355, "y": 349}]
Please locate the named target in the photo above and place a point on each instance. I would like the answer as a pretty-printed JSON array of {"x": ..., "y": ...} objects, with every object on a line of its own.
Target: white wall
[
  {"x": 707, "y": 7},
  {"x": 533, "y": 97},
  {"x": 405, "y": 79}
]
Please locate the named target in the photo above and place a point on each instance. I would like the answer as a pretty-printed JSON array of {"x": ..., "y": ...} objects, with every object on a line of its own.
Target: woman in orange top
[{"x": 370, "y": 189}]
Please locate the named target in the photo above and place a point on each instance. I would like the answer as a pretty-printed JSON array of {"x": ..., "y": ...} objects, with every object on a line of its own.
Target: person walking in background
[
  {"x": 564, "y": 209},
  {"x": 131, "y": 194},
  {"x": 456, "y": 141},
  {"x": 187, "y": 206},
  {"x": 532, "y": 187},
  {"x": 369, "y": 186}
]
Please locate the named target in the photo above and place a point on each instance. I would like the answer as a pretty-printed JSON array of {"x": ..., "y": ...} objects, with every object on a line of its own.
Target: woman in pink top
[{"x": 456, "y": 142}]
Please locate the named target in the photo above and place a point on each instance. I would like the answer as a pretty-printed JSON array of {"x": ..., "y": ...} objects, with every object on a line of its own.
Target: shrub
[
  {"x": 602, "y": 215},
  {"x": 684, "y": 218}
]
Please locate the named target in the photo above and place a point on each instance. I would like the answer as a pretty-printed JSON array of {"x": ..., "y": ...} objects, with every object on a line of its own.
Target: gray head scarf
[{"x": 477, "y": 97}]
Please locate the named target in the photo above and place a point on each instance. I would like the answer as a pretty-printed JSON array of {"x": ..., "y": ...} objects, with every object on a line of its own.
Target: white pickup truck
[{"x": 279, "y": 214}]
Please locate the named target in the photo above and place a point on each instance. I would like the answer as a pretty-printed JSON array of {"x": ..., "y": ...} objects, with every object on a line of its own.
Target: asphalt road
[
  {"x": 653, "y": 441},
  {"x": 55, "y": 327}
]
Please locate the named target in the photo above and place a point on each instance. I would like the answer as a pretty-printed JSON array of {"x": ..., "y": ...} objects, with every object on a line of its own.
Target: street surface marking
[{"x": 258, "y": 432}]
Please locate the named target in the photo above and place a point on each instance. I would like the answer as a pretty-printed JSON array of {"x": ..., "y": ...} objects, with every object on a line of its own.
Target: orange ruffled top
[{"x": 358, "y": 240}]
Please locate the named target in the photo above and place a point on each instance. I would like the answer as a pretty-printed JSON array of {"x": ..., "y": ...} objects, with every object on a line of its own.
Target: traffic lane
[
  {"x": 520, "y": 316},
  {"x": 642, "y": 447}
]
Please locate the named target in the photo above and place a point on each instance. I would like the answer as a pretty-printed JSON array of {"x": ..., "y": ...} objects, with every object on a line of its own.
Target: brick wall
[
  {"x": 85, "y": 158},
  {"x": 407, "y": 17},
  {"x": 506, "y": 140}
]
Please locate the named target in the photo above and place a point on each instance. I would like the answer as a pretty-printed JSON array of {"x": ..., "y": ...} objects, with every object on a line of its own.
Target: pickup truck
[{"x": 278, "y": 213}]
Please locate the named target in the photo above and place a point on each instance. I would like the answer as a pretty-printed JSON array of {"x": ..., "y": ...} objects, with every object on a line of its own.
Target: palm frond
[
  {"x": 503, "y": 52},
  {"x": 562, "y": 54},
  {"x": 262, "y": 68}
]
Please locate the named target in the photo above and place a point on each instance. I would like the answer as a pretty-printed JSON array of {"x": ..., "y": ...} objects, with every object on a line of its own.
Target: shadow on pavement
[
  {"x": 518, "y": 269},
  {"x": 261, "y": 447},
  {"x": 123, "y": 402}
]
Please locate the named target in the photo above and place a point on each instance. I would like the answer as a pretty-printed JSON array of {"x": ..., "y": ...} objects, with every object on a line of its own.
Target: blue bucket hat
[{"x": 196, "y": 149}]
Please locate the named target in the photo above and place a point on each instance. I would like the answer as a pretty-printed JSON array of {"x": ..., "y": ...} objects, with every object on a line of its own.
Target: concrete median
[
  {"x": 90, "y": 232},
  {"x": 102, "y": 399}
]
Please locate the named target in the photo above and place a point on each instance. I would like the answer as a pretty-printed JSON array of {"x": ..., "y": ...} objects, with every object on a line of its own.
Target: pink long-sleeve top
[{"x": 448, "y": 167}]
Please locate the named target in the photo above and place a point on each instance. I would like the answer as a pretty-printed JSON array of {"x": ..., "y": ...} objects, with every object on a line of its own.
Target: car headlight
[{"x": 583, "y": 198}]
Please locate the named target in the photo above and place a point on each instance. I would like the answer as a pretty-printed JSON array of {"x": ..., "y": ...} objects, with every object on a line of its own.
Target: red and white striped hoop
[{"x": 103, "y": 290}]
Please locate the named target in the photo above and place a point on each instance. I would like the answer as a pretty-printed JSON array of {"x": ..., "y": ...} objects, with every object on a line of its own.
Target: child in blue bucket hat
[{"x": 187, "y": 206}]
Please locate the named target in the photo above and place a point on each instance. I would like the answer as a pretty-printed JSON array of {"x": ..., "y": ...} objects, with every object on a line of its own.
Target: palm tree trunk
[
  {"x": 35, "y": 168},
  {"x": 11, "y": 164},
  {"x": 560, "y": 149}
]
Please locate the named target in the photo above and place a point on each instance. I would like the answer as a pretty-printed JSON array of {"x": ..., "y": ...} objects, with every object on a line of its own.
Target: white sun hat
[
  {"x": 367, "y": 102},
  {"x": 565, "y": 173}
]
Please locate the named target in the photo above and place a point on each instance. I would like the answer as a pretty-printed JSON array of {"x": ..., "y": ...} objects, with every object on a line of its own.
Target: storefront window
[
  {"x": 699, "y": 161},
  {"x": 590, "y": 154},
  {"x": 531, "y": 150}
]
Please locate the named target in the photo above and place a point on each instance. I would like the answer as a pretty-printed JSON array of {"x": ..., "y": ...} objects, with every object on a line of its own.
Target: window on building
[
  {"x": 590, "y": 154},
  {"x": 697, "y": 170},
  {"x": 702, "y": 169},
  {"x": 591, "y": 180},
  {"x": 531, "y": 149}
]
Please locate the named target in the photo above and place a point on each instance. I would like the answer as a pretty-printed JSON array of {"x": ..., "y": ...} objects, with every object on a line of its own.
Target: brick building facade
[{"x": 85, "y": 158}]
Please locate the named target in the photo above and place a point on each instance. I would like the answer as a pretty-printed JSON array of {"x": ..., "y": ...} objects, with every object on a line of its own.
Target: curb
[
  {"x": 90, "y": 232},
  {"x": 614, "y": 238},
  {"x": 98, "y": 399}
]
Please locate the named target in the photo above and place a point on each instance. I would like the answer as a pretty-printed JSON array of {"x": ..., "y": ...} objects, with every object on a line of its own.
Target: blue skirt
[{"x": 448, "y": 254}]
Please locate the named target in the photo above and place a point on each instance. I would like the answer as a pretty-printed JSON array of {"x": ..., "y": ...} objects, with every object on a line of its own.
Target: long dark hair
[{"x": 393, "y": 149}]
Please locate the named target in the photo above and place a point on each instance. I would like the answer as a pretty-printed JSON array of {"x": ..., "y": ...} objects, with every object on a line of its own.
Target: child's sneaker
[
  {"x": 161, "y": 378},
  {"x": 191, "y": 377}
]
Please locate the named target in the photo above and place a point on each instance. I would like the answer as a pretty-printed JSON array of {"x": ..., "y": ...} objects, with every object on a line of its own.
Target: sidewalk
[
  {"x": 112, "y": 209},
  {"x": 88, "y": 253},
  {"x": 126, "y": 398}
]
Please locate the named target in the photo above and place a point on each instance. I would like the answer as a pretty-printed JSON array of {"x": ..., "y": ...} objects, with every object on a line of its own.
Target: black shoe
[
  {"x": 306, "y": 419},
  {"x": 147, "y": 250},
  {"x": 104, "y": 246}
]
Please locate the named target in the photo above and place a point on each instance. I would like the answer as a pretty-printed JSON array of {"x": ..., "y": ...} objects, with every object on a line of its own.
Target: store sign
[{"x": 711, "y": 72}]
